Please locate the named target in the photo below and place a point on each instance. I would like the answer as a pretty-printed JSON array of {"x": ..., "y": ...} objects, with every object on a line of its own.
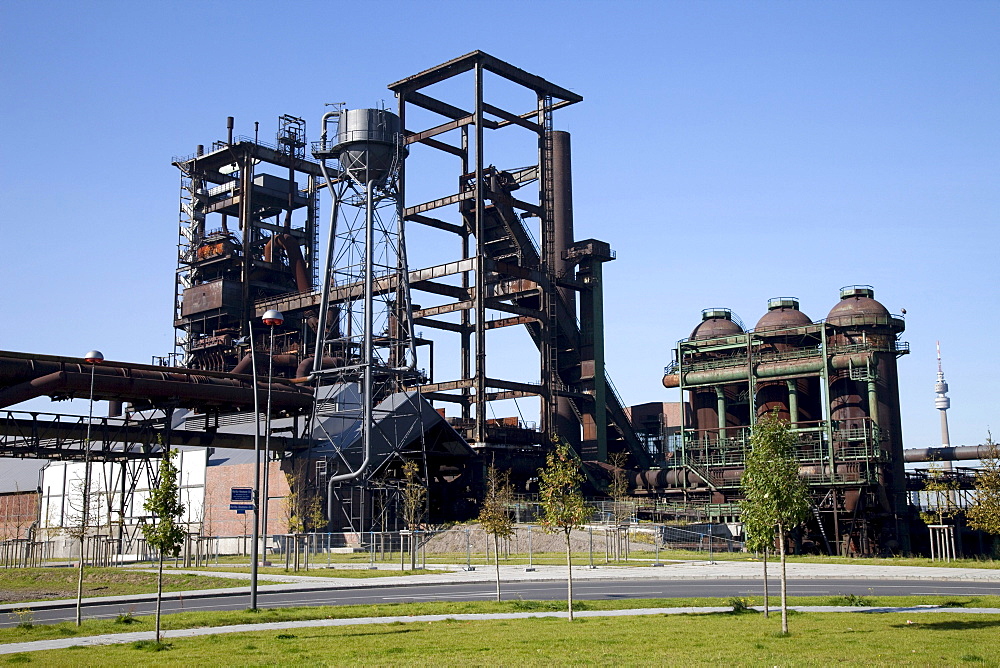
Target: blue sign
[
  {"x": 241, "y": 507},
  {"x": 241, "y": 494}
]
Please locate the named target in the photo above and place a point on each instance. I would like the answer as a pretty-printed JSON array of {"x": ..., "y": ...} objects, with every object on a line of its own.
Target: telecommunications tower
[{"x": 942, "y": 403}]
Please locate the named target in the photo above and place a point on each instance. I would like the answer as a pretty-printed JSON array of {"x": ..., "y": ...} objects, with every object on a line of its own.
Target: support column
[
  {"x": 720, "y": 409},
  {"x": 793, "y": 402},
  {"x": 480, "y": 303},
  {"x": 567, "y": 425}
]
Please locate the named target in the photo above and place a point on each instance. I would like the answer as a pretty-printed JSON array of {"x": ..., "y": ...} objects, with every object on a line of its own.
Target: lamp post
[
  {"x": 93, "y": 358},
  {"x": 255, "y": 543},
  {"x": 272, "y": 319}
]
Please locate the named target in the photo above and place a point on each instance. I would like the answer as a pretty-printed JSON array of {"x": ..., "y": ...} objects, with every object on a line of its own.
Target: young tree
[
  {"x": 759, "y": 537},
  {"x": 984, "y": 513},
  {"x": 494, "y": 514},
  {"x": 165, "y": 535},
  {"x": 562, "y": 502},
  {"x": 774, "y": 495},
  {"x": 621, "y": 509},
  {"x": 83, "y": 508},
  {"x": 414, "y": 495}
]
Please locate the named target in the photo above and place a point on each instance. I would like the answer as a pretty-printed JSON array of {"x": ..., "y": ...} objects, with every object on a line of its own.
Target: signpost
[{"x": 241, "y": 499}]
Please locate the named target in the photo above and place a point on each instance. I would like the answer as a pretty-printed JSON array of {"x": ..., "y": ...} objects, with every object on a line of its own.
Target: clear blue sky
[{"x": 729, "y": 151}]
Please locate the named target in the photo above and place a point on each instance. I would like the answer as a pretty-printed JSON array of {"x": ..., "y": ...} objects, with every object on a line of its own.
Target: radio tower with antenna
[{"x": 942, "y": 403}]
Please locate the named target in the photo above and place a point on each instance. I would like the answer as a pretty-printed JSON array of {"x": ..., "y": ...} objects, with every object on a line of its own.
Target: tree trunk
[
  {"x": 784, "y": 593},
  {"x": 159, "y": 596},
  {"x": 413, "y": 550},
  {"x": 496, "y": 559},
  {"x": 569, "y": 577},
  {"x": 766, "y": 613},
  {"x": 79, "y": 587}
]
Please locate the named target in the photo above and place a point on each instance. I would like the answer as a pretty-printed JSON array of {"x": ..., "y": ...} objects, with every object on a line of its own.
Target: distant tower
[{"x": 942, "y": 403}]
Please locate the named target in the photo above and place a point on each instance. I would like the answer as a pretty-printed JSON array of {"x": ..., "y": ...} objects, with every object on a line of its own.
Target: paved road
[{"x": 586, "y": 589}]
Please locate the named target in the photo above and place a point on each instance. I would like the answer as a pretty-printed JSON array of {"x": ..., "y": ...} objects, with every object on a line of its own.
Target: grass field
[
  {"x": 676, "y": 640},
  {"x": 43, "y": 584},
  {"x": 638, "y": 557},
  {"x": 185, "y": 620}
]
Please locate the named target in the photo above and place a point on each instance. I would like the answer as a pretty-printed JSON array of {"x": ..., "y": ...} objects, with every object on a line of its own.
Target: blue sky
[{"x": 729, "y": 151}]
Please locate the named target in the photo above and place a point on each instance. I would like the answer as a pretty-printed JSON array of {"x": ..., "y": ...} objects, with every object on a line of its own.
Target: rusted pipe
[
  {"x": 306, "y": 365},
  {"x": 244, "y": 365},
  {"x": 766, "y": 370},
  {"x": 949, "y": 454},
  {"x": 28, "y": 378},
  {"x": 290, "y": 245}
]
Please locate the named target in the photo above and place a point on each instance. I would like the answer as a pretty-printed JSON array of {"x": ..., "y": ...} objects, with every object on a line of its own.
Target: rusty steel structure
[
  {"x": 502, "y": 278},
  {"x": 833, "y": 380},
  {"x": 248, "y": 230},
  {"x": 351, "y": 386}
]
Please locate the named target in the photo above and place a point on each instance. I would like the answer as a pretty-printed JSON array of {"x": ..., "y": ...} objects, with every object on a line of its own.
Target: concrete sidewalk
[
  {"x": 119, "y": 638},
  {"x": 456, "y": 574}
]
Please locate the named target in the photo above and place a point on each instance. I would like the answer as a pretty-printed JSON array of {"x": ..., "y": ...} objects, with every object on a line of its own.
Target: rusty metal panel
[{"x": 208, "y": 296}]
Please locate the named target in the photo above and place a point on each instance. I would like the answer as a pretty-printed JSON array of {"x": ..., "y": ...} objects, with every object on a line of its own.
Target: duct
[
  {"x": 36, "y": 387},
  {"x": 949, "y": 454},
  {"x": 26, "y": 378},
  {"x": 246, "y": 363},
  {"x": 306, "y": 365},
  {"x": 766, "y": 370},
  {"x": 290, "y": 245}
]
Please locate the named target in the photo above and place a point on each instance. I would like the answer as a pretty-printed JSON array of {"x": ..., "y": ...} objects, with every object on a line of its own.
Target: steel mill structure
[
  {"x": 312, "y": 357},
  {"x": 834, "y": 381}
]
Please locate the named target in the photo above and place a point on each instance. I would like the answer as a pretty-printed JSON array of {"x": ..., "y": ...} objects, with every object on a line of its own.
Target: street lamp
[
  {"x": 93, "y": 358},
  {"x": 272, "y": 319}
]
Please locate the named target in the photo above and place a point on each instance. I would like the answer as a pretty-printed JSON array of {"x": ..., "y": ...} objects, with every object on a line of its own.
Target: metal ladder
[{"x": 550, "y": 342}]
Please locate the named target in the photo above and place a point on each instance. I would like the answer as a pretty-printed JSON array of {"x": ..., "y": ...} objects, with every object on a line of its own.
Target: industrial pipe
[
  {"x": 29, "y": 378},
  {"x": 302, "y": 370},
  {"x": 290, "y": 245},
  {"x": 949, "y": 454},
  {"x": 766, "y": 370},
  {"x": 246, "y": 363}
]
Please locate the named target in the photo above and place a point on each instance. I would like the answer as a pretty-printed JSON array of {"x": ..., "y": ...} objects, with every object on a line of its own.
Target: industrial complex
[{"x": 316, "y": 355}]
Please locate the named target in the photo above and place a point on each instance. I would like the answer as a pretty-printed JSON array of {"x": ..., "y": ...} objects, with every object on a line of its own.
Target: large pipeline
[
  {"x": 948, "y": 454},
  {"x": 24, "y": 377},
  {"x": 766, "y": 370},
  {"x": 290, "y": 245}
]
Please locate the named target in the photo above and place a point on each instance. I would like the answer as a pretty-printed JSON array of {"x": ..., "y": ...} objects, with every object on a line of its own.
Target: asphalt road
[{"x": 536, "y": 590}]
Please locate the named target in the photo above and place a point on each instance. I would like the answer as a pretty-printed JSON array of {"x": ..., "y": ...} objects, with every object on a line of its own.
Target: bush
[
  {"x": 25, "y": 618},
  {"x": 741, "y": 604},
  {"x": 125, "y": 618}
]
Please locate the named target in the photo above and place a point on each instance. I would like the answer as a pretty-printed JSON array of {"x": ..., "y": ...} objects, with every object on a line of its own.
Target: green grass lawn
[
  {"x": 322, "y": 571},
  {"x": 43, "y": 584},
  {"x": 184, "y": 620},
  {"x": 676, "y": 640},
  {"x": 637, "y": 557}
]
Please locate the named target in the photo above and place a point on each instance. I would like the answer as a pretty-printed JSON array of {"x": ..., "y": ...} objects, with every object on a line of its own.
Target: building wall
[
  {"x": 115, "y": 486},
  {"x": 221, "y": 521},
  {"x": 18, "y": 511}
]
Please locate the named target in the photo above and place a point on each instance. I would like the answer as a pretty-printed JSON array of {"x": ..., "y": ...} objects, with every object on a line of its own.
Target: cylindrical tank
[
  {"x": 715, "y": 322},
  {"x": 858, "y": 320},
  {"x": 803, "y": 394},
  {"x": 369, "y": 142},
  {"x": 863, "y": 398}
]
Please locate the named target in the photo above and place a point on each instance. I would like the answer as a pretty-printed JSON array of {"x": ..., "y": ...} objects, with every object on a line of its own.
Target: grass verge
[
  {"x": 687, "y": 640},
  {"x": 44, "y": 584},
  {"x": 639, "y": 557},
  {"x": 186, "y": 620}
]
